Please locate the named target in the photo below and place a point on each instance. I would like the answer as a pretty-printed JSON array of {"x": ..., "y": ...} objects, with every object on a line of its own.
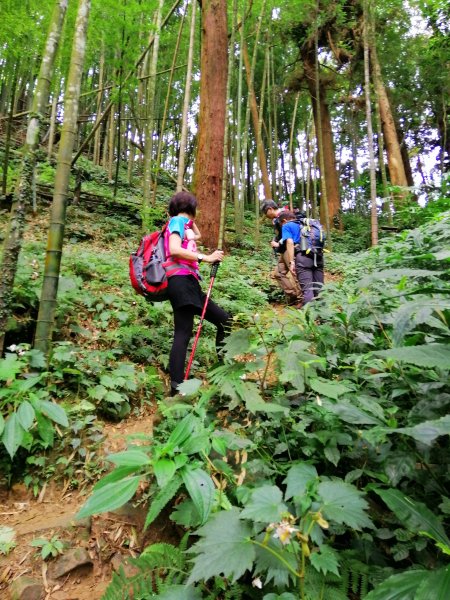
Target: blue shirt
[
  {"x": 177, "y": 225},
  {"x": 291, "y": 231}
]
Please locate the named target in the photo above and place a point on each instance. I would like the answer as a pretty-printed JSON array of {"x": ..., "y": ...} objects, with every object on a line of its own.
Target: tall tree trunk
[
  {"x": 291, "y": 149},
  {"x": 101, "y": 75},
  {"x": 395, "y": 162},
  {"x": 213, "y": 88},
  {"x": 150, "y": 112},
  {"x": 239, "y": 184},
  {"x": 44, "y": 326},
  {"x": 322, "y": 122},
  {"x": 24, "y": 192},
  {"x": 250, "y": 73},
  {"x": 8, "y": 132},
  {"x": 324, "y": 212},
  {"x": 166, "y": 107},
  {"x": 186, "y": 100},
  {"x": 51, "y": 134},
  {"x": 226, "y": 147},
  {"x": 373, "y": 185}
]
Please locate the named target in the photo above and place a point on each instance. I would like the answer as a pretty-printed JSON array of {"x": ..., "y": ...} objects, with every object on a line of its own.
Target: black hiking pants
[{"x": 184, "y": 324}]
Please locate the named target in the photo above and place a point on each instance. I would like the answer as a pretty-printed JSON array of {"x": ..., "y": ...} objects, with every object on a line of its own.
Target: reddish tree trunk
[{"x": 213, "y": 86}]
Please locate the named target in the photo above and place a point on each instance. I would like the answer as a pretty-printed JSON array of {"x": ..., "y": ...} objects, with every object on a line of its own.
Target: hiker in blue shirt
[
  {"x": 306, "y": 265},
  {"x": 281, "y": 274}
]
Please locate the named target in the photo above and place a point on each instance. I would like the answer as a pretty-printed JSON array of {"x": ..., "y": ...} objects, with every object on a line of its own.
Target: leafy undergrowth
[
  {"x": 327, "y": 479},
  {"x": 310, "y": 464}
]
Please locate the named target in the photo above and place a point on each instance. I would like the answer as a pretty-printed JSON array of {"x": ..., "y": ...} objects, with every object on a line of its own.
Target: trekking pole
[{"x": 213, "y": 274}]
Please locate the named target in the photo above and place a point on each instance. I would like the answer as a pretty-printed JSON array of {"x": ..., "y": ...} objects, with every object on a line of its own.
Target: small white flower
[
  {"x": 257, "y": 583},
  {"x": 318, "y": 401},
  {"x": 283, "y": 531},
  {"x": 12, "y": 348}
]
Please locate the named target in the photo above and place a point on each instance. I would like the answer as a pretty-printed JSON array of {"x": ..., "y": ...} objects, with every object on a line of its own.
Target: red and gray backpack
[
  {"x": 147, "y": 273},
  {"x": 150, "y": 266}
]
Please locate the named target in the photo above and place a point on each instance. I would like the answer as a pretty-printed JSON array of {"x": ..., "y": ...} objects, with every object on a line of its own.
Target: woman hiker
[{"x": 185, "y": 294}]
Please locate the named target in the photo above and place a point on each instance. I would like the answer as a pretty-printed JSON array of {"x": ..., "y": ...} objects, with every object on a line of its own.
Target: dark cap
[{"x": 268, "y": 204}]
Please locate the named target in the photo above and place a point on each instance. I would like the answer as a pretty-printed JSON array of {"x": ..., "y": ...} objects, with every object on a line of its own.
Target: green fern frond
[{"x": 158, "y": 566}]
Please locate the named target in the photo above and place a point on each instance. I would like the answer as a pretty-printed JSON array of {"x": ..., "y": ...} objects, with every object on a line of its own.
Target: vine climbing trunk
[
  {"x": 44, "y": 326},
  {"x": 24, "y": 192},
  {"x": 208, "y": 173}
]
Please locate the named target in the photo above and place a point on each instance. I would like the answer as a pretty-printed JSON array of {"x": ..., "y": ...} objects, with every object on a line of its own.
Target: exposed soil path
[{"x": 105, "y": 540}]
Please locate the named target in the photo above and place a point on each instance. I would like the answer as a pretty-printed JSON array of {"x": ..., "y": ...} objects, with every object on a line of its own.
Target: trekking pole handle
[{"x": 214, "y": 269}]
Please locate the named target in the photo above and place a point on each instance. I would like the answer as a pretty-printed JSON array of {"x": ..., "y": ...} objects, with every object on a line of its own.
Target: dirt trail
[{"x": 106, "y": 540}]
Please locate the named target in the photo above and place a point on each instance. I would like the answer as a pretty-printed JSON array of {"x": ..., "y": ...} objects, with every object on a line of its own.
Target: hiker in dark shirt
[
  {"x": 285, "y": 280},
  {"x": 185, "y": 294},
  {"x": 307, "y": 266}
]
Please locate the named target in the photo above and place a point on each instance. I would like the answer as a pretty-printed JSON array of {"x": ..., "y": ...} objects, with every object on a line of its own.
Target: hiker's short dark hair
[
  {"x": 286, "y": 215},
  {"x": 268, "y": 204},
  {"x": 183, "y": 202}
]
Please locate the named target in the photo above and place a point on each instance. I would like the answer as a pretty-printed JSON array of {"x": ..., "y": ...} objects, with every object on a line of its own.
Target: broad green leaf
[
  {"x": 326, "y": 560},
  {"x": 115, "y": 475},
  {"x": 161, "y": 499},
  {"x": 12, "y": 435},
  {"x": 36, "y": 359},
  {"x": 350, "y": 413},
  {"x": 436, "y": 586},
  {"x": 415, "y": 516},
  {"x": 2, "y": 424},
  {"x": 46, "y": 429},
  {"x": 54, "y": 412},
  {"x": 25, "y": 414},
  {"x": 428, "y": 431},
  {"x": 219, "y": 444},
  {"x": 186, "y": 514},
  {"x": 328, "y": 388},
  {"x": 239, "y": 342},
  {"x": 291, "y": 357},
  {"x": 9, "y": 367},
  {"x": 394, "y": 274},
  {"x": 402, "y": 586},
  {"x": 190, "y": 387},
  {"x": 265, "y": 506},
  {"x": 180, "y": 592},
  {"x": 197, "y": 443},
  {"x": 114, "y": 397},
  {"x": 182, "y": 432},
  {"x": 164, "y": 470},
  {"x": 224, "y": 548},
  {"x": 130, "y": 458},
  {"x": 298, "y": 478},
  {"x": 254, "y": 402},
  {"x": 427, "y": 355},
  {"x": 110, "y": 496},
  {"x": 271, "y": 567},
  {"x": 201, "y": 490},
  {"x": 344, "y": 503}
]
